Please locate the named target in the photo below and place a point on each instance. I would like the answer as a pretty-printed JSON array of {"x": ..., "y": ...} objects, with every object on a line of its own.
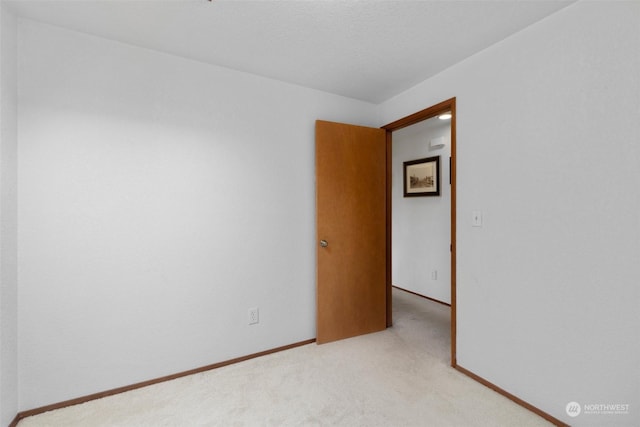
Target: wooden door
[{"x": 351, "y": 219}]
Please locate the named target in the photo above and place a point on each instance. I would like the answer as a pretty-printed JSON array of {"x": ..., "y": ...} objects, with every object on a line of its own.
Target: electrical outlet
[{"x": 254, "y": 316}]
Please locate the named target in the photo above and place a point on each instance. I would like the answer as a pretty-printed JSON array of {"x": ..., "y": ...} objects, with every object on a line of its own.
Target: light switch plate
[{"x": 476, "y": 218}]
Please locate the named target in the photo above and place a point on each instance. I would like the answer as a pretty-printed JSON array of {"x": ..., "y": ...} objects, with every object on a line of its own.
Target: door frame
[{"x": 427, "y": 113}]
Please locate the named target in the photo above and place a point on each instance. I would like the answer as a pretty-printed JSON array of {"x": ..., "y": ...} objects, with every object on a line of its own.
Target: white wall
[
  {"x": 548, "y": 138},
  {"x": 421, "y": 226},
  {"x": 160, "y": 199},
  {"x": 8, "y": 219}
]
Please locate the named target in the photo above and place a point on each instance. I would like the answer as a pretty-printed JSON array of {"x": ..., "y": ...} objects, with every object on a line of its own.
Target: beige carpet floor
[{"x": 398, "y": 377}]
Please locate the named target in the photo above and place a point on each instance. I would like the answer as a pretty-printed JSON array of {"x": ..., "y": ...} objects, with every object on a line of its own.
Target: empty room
[{"x": 191, "y": 236}]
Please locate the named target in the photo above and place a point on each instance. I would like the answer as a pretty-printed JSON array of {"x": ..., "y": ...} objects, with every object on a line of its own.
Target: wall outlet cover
[{"x": 254, "y": 316}]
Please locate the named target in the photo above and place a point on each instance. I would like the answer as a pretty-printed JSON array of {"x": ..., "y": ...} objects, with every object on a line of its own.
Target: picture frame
[{"x": 422, "y": 177}]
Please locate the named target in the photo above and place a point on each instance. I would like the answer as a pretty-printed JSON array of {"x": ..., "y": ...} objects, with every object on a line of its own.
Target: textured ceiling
[{"x": 368, "y": 50}]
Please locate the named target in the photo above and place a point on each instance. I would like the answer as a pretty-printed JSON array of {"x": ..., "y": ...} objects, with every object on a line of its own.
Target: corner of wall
[{"x": 8, "y": 218}]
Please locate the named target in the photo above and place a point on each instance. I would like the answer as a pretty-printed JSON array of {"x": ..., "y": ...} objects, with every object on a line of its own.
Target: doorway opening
[{"x": 448, "y": 106}]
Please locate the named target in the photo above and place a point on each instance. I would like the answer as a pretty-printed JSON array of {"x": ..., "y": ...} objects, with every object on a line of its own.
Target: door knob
[{"x": 324, "y": 243}]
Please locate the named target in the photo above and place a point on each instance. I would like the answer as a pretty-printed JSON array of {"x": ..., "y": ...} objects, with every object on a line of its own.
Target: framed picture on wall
[{"x": 422, "y": 177}]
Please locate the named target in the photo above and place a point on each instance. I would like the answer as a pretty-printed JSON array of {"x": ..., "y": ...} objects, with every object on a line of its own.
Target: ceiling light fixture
[{"x": 445, "y": 116}]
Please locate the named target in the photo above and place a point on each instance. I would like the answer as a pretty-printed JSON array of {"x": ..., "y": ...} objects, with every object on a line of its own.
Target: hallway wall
[{"x": 421, "y": 227}]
